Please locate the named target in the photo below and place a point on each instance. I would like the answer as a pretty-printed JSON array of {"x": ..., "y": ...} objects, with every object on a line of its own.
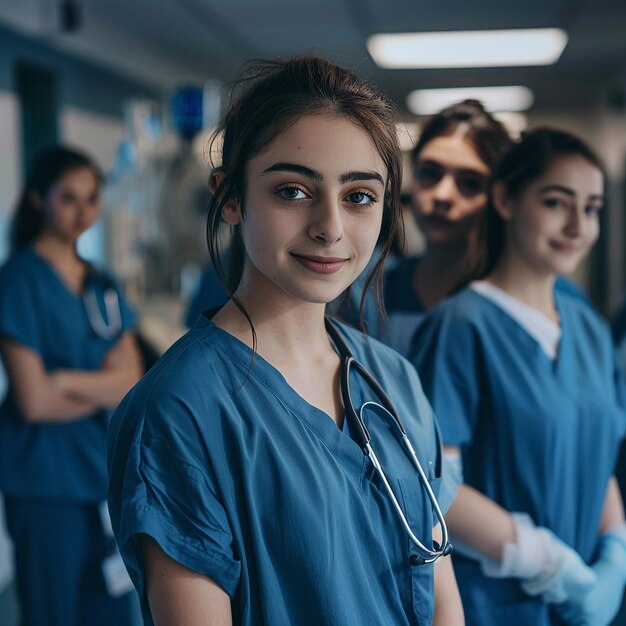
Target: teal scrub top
[
  {"x": 536, "y": 435},
  {"x": 238, "y": 478},
  {"x": 38, "y": 310}
]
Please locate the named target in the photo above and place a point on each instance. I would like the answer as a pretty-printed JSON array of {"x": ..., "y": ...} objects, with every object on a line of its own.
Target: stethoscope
[
  {"x": 110, "y": 327},
  {"x": 363, "y": 439}
]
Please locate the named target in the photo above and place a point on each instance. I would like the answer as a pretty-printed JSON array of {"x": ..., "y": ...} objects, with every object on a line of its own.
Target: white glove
[{"x": 544, "y": 564}]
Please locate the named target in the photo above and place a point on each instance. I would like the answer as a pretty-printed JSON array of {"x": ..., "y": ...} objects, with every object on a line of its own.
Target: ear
[
  {"x": 502, "y": 203},
  {"x": 230, "y": 211}
]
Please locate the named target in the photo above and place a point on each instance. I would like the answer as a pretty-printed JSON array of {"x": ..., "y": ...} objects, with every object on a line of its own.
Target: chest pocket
[{"x": 420, "y": 515}]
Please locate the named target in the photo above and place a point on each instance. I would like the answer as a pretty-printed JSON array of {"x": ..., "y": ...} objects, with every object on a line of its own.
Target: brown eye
[
  {"x": 428, "y": 174},
  {"x": 471, "y": 184}
]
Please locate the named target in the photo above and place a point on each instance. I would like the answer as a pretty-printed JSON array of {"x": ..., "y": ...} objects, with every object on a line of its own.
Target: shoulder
[
  {"x": 572, "y": 288},
  {"x": 387, "y": 365},
  {"x": 582, "y": 313},
  {"x": 19, "y": 266},
  {"x": 180, "y": 397},
  {"x": 460, "y": 311},
  {"x": 400, "y": 381},
  {"x": 453, "y": 331}
]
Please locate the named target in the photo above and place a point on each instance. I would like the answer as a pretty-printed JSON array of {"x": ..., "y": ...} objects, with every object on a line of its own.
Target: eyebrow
[
  {"x": 348, "y": 177},
  {"x": 569, "y": 192}
]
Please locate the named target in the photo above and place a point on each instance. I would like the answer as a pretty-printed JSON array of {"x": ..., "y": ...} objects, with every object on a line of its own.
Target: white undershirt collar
[{"x": 539, "y": 326}]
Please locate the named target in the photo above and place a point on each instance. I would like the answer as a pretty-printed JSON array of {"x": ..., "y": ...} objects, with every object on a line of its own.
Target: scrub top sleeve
[
  {"x": 19, "y": 317},
  {"x": 444, "y": 353},
  {"x": 167, "y": 496}
]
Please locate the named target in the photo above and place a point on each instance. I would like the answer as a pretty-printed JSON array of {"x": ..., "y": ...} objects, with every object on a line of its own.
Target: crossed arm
[{"x": 67, "y": 395}]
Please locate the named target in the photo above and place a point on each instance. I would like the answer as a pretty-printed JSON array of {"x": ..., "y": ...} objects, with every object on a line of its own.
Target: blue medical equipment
[{"x": 363, "y": 439}]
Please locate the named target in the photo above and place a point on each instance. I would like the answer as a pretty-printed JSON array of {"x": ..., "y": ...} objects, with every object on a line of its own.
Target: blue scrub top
[
  {"x": 209, "y": 295},
  {"x": 238, "y": 478},
  {"x": 404, "y": 308},
  {"x": 38, "y": 310},
  {"x": 536, "y": 435}
]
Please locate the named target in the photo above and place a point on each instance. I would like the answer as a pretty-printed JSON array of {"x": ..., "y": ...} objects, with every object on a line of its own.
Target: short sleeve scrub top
[{"x": 238, "y": 478}]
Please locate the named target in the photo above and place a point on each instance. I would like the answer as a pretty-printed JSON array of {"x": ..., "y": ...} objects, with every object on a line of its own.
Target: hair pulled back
[
  {"x": 484, "y": 133},
  {"x": 266, "y": 100},
  {"x": 48, "y": 167}
]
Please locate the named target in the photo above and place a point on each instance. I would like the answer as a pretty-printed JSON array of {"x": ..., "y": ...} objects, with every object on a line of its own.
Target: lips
[
  {"x": 566, "y": 248},
  {"x": 320, "y": 264},
  {"x": 437, "y": 221}
]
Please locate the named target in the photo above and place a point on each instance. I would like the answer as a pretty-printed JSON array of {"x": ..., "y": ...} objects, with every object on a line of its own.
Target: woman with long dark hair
[
  {"x": 67, "y": 345},
  {"x": 525, "y": 382}
]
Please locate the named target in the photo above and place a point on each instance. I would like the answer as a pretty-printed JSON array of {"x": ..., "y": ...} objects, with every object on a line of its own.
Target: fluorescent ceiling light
[
  {"x": 431, "y": 101},
  {"x": 478, "y": 48}
]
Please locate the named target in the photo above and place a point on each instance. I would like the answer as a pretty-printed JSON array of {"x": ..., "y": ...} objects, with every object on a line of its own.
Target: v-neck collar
[
  {"x": 559, "y": 363},
  {"x": 54, "y": 272},
  {"x": 337, "y": 441}
]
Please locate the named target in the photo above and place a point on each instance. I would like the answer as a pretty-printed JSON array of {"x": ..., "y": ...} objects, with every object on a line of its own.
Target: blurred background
[{"x": 139, "y": 84}]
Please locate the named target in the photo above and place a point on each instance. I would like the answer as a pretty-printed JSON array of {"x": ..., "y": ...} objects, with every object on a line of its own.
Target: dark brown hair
[
  {"x": 48, "y": 167},
  {"x": 486, "y": 135},
  {"x": 269, "y": 97}
]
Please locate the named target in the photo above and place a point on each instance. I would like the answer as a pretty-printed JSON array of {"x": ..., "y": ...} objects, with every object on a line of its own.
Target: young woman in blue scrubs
[
  {"x": 238, "y": 494},
  {"x": 452, "y": 162},
  {"x": 525, "y": 382},
  {"x": 64, "y": 378}
]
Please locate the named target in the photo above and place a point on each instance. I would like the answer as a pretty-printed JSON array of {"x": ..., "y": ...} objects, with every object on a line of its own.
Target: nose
[
  {"x": 444, "y": 191},
  {"x": 326, "y": 225},
  {"x": 572, "y": 226}
]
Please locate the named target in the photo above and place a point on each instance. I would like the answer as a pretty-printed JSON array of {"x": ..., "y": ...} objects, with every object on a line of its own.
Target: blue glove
[{"x": 599, "y": 605}]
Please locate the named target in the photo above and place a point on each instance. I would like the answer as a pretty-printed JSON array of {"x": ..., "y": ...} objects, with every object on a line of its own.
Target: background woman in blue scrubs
[
  {"x": 237, "y": 492},
  {"x": 525, "y": 382},
  {"x": 63, "y": 381},
  {"x": 452, "y": 162}
]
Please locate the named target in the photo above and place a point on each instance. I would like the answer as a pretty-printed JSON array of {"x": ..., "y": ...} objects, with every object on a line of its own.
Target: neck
[
  {"x": 527, "y": 284},
  {"x": 284, "y": 333},
  {"x": 55, "y": 250},
  {"x": 439, "y": 272}
]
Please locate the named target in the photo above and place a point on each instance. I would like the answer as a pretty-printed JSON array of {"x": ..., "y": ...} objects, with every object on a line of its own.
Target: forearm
[
  {"x": 103, "y": 388},
  {"x": 613, "y": 509},
  {"x": 480, "y": 523},
  {"x": 448, "y": 605},
  {"x": 55, "y": 406}
]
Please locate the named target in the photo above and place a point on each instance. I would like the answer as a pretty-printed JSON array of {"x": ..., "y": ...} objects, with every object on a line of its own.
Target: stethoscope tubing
[
  {"x": 362, "y": 435},
  {"x": 110, "y": 328}
]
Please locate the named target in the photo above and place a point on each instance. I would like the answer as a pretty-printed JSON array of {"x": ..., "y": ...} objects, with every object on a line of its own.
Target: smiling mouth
[
  {"x": 564, "y": 247},
  {"x": 320, "y": 264}
]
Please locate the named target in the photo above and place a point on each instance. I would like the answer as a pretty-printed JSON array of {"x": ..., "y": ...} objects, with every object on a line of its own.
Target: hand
[
  {"x": 599, "y": 604},
  {"x": 565, "y": 577},
  {"x": 123, "y": 355}
]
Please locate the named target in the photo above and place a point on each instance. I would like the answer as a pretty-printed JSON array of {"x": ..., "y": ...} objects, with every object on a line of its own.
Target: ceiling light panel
[
  {"x": 495, "y": 99},
  {"x": 479, "y": 48}
]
